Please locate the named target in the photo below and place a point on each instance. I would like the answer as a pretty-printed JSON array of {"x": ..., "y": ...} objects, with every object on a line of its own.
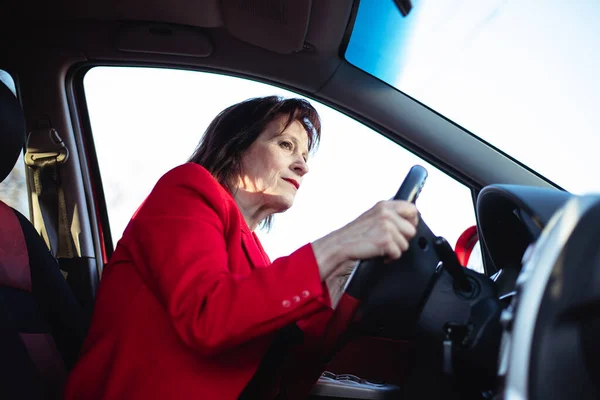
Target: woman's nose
[{"x": 300, "y": 166}]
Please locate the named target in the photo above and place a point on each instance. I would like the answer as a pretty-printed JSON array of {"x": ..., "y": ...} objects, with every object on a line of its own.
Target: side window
[
  {"x": 146, "y": 121},
  {"x": 13, "y": 190}
]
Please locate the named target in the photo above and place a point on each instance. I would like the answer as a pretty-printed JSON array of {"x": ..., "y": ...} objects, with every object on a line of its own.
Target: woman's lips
[{"x": 293, "y": 182}]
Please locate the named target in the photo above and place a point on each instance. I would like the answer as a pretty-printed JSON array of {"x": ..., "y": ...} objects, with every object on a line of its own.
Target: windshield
[{"x": 520, "y": 74}]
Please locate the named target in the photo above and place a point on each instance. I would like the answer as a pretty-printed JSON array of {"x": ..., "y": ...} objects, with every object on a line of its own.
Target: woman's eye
[{"x": 287, "y": 145}]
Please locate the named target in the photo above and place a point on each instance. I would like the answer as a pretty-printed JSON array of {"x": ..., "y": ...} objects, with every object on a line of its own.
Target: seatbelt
[{"x": 45, "y": 153}]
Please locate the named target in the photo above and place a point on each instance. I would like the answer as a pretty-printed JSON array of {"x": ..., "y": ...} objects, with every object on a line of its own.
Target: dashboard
[
  {"x": 550, "y": 326},
  {"x": 498, "y": 336}
]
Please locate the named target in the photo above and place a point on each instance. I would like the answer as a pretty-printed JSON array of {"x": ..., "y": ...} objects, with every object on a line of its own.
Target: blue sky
[{"x": 521, "y": 74}]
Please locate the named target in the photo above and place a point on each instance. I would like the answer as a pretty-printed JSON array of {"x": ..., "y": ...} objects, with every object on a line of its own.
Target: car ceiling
[{"x": 295, "y": 44}]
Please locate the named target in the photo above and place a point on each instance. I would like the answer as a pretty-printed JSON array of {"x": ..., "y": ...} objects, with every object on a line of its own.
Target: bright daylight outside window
[
  {"x": 146, "y": 121},
  {"x": 13, "y": 190},
  {"x": 520, "y": 74}
]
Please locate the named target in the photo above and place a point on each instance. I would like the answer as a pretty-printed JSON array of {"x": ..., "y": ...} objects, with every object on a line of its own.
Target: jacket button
[
  {"x": 305, "y": 293},
  {"x": 286, "y": 303},
  {"x": 296, "y": 299}
]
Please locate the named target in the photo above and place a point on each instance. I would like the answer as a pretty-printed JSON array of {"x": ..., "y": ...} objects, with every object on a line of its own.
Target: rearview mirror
[{"x": 404, "y": 6}]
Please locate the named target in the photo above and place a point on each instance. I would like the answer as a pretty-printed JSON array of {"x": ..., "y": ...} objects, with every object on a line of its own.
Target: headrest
[{"x": 12, "y": 130}]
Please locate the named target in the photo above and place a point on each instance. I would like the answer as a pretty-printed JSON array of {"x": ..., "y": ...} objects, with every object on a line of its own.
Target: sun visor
[
  {"x": 164, "y": 39},
  {"x": 279, "y": 26}
]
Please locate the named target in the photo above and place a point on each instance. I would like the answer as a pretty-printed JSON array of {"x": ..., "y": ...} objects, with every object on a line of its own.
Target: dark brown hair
[{"x": 234, "y": 130}]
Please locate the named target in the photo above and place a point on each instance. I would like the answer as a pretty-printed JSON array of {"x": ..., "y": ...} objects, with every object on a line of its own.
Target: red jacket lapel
[{"x": 253, "y": 250}]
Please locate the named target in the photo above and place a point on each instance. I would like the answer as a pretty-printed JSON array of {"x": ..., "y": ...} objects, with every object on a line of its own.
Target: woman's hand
[{"x": 383, "y": 231}]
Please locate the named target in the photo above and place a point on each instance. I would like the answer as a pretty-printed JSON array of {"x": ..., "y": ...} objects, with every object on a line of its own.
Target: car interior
[{"x": 423, "y": 327}]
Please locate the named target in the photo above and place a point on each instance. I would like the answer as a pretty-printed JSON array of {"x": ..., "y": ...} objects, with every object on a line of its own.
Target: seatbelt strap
[{"x": 45, "y": 154}]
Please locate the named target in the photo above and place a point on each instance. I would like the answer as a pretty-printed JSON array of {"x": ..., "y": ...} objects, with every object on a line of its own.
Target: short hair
[{"x": 234, "y": 130}]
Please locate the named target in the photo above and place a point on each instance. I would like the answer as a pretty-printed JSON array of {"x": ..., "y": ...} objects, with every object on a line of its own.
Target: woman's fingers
[
  {"x": 387, "y": 227},
  {"x": 394, "y": 241},
  {"x": 383, "y": 231},
  {"x": 404, "y": 226},
  {"x": 407, "y": 210}
]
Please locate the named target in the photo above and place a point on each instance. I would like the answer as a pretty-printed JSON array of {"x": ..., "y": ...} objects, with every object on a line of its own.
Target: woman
[{"x": 190, "y": 304}]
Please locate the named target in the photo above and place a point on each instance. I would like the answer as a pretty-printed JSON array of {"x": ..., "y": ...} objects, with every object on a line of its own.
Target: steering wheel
[
  {"x": 361, "y": 302},
  {"x": 422, "y": 296}
]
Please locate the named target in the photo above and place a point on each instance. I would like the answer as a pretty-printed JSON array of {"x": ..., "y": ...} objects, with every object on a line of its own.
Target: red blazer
[{"x": 189, "y": 303}]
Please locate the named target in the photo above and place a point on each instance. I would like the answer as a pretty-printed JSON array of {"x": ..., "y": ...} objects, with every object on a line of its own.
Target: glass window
[
  {"x": 146, "y": 121},
  {"x": 13, "y": 190},
  {"x": 522, "y": 75}
]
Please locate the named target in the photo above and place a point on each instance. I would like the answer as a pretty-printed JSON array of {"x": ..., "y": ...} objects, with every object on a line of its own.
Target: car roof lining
[{"x": 324, "y": 29}]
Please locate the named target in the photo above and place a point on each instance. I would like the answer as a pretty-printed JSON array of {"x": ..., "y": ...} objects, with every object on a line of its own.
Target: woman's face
[{"x": 273, "y": 168}]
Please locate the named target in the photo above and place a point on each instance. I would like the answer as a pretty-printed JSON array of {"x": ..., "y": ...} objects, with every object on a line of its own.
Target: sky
[{"x": 521, "y": 74}]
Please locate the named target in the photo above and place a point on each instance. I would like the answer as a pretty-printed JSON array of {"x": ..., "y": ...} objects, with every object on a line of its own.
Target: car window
[
  {"x": 146, "y": 121},
  {"x": 13, "y": 190}
]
